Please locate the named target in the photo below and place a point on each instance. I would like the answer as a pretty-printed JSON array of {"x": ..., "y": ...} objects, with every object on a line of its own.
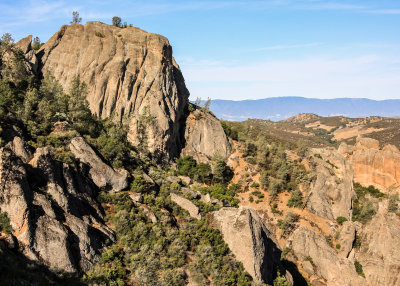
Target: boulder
[
  {"x": 102, "y": 175},
  {"x": 250, "y": 241},
  {"x": 205, "y": 137},
  {"x": 187, "y": 205}
]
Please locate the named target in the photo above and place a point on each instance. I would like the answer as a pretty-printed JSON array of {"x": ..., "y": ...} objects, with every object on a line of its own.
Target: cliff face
[
  {"x": 374, "y": 165},
  {"x": 51, "y": 208},
  {"x": 332, "y": 192},
  {"x": 131, "y": 75}
]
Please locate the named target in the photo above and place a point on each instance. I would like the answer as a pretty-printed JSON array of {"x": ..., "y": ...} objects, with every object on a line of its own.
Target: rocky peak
[{"x": 131, "y": 75}]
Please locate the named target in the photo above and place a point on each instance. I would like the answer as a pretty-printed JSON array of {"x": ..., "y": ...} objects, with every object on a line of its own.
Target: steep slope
[{"x": 131, "y": 75}]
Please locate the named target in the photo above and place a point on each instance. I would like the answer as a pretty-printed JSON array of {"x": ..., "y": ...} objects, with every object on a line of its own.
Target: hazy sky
[{"x": 251, "y": 49}]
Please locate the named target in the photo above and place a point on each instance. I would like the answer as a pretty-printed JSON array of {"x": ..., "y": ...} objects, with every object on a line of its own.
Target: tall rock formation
[
  {"x": 131, "y": 75},
  {"x": 332, "y": 192}
]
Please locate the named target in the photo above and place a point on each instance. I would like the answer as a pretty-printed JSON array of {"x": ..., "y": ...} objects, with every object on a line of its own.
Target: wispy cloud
[
  {"x": 286, "y": 47},
  {"x": 385, "y": 11},
  {"x": 319, "y": 5},
  {"x": 364, "y": 76}
]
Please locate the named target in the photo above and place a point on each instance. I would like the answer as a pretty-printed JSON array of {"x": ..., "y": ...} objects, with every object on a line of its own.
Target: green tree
[
  {"x": 186, "y": 166},
  {"x": 116, "y": 21},
  {"x": 393, "y": 203},
  {"x": 222, "y": 172},
  {"x": 296, "y": 200},
  {"x": 203, "y": 172},
  {"x": 280, "y": 281},
  {"x": 7, "y": 38},
  {"x": 75, "y": 18},
  {"x": 79, "y": 113},
  {"x": 36, "y": 44},
  {"x": 341, "y": 219}
]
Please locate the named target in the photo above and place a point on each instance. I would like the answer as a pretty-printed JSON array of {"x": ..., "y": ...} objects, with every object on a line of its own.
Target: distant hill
[{"x": 280, "y": 108}]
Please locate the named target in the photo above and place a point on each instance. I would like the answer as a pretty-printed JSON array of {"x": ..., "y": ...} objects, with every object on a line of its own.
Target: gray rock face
[
  {"x": 131, "y": 75},
  {"x": 332, "y": 192},
  {"x": 249, "y": 240},
  {"x": 102, "y": 175},
  {"x": 334, "y": 270},
  {"x": 187, "y": 205},
  {"x": 51, "y": 211},
  {"x": 32, "y": 62},
  {"x": 205, "y": 137},
  {"x": 379, "y": 253},
  {"x": 347, "y": 237}
]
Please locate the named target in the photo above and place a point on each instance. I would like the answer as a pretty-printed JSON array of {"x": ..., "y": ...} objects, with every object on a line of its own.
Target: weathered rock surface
[
  {"x": 205, "y": 137},
  {"x": 374, "y": 165},
  {"x": 249, "y": 239},
  {"x": 32, "y": 62},
  {"x": 131, "y": 75},
  {"x": 102, "y": 175},
  {"x": 187, "y": 205},
  {"x": 347, "y": 237},
  {"x": 334, "y": 270},
  {"x": 379, "y": 253},
  {"x": 51, "y": 211},
  {"x": 332, "y": 192}
]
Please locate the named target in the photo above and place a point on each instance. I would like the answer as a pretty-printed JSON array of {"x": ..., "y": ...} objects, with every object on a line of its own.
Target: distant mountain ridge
[{"x": 280, "y": 108}]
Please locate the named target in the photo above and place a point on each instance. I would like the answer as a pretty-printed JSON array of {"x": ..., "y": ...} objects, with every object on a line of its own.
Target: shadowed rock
[{"x": 102, "y": 175}]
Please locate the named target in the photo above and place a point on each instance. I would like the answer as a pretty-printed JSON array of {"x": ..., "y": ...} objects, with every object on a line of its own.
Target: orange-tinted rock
[{"x": 373, "y": 165}]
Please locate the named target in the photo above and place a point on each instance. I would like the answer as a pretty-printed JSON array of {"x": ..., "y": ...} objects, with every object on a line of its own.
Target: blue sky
[{"x": 251, "y": 49}]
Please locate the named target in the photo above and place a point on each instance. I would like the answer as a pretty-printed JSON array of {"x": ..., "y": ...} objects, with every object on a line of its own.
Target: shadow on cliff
[
  {"x": 17, "y": 269},
  {"x": 272, "y": 261}
]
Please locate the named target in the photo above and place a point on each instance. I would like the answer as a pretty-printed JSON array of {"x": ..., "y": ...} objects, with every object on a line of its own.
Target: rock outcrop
[
  {"x": 249, "y": 239},
  {"x": 102, "y": 175},
  {"x": 32, "y": 62},
  {"x": 327, "y": 268},
  {"x": 205, "y": 137},
  {"x": 186, "y": 205},
  {"x": 131, "y": 75},
  {"x": 51, "y": 211},
  {"x": 374, "y": 165},
  {"x": 332, "y": 192},
  {"x": 346, "y": 239},
  {"x": 379, "y": 252}
]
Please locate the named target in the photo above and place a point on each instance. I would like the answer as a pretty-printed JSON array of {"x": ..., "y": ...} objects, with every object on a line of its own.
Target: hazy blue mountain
[{"x": 279, "y": 108}]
